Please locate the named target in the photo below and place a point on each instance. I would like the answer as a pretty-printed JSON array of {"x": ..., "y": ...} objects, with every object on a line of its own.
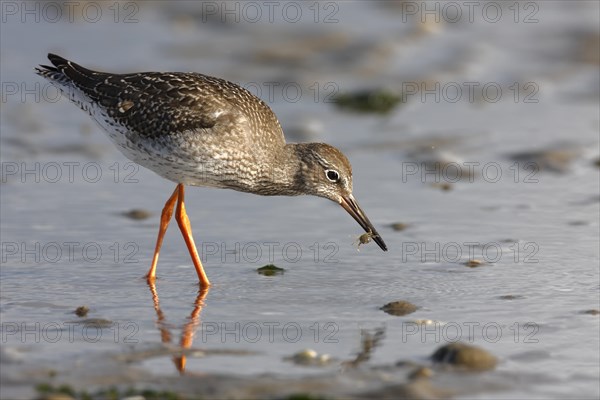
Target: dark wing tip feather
[
  {"x": 82, "y": 77},
  {"x": 47, "y": 70},
  {"x": 57, "y": 72},
  {"x": 58, "y": 61},
  {"x": 65, "y": 66}
]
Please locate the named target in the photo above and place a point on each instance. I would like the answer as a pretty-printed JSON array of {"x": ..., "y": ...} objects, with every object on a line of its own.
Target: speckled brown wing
[{"x": 151, "y": 103}]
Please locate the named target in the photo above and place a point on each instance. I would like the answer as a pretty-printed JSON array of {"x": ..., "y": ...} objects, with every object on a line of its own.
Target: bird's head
[{"x": 326, "y": 172}]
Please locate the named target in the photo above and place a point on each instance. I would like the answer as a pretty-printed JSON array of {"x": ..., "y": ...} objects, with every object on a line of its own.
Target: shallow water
[{"x": 537, "y": 229}]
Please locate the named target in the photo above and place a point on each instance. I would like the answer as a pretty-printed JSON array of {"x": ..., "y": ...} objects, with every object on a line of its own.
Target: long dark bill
[{"x": 359, "y": 215}]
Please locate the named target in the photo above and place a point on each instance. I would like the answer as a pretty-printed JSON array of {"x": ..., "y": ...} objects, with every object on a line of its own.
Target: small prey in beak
[{"x": 351, "y": 206}]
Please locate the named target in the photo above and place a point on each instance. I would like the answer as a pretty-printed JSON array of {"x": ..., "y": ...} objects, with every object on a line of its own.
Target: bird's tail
[
  {"x": 56, "y": 73},
  {"x": 71, "y": 79}
]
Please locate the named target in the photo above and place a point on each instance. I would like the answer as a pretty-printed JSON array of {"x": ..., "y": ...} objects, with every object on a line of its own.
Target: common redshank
[{"x": 198, "y": 130}]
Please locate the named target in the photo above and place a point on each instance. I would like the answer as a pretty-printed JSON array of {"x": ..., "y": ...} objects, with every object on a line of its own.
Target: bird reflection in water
[{"x": 188, "y": 330}]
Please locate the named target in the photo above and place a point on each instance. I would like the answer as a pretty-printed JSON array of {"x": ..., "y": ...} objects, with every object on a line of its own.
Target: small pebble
[
  {"x": 445, "y": 186},
  {"x": 399, "y": 308},
  {"x": 310, "y": 357},
  {"x": 399, "y": 226},
  {"x": 511, "y": 297},
  {"x": 474, "y": 263},
  {"x": 137, "y": 214},
  {"x": 424, "y": 322},
  {"x": 82, "y": 311},
  {"x": 465, "y": 356},
  {"x": 306, "y": 354},
  {"x": 97, "y": 323},
  {"x": 324, "y": 358},
  {"x": 578, "y": 223},
  {"x": 270, "y": 270},
  {"x": 591, "y": 312},
  {"x": 420, "y": 373}
]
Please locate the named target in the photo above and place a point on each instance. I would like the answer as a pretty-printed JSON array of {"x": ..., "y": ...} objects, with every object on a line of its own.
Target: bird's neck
[{"x": 283, "y": 175}]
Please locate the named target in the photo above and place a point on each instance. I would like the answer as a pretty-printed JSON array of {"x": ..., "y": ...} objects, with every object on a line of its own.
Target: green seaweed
[
  {"x": 270, "y": 270},
  {"x": 378, "y": 101}
]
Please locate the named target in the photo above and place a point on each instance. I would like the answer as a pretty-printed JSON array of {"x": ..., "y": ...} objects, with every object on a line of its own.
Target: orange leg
[
  {"x": 165, "y": 217},
  {"x": 186, "y": 230}
]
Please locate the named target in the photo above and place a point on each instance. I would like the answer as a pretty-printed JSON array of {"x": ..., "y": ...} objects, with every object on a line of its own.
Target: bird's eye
[{"x": 332, "y": 175}]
